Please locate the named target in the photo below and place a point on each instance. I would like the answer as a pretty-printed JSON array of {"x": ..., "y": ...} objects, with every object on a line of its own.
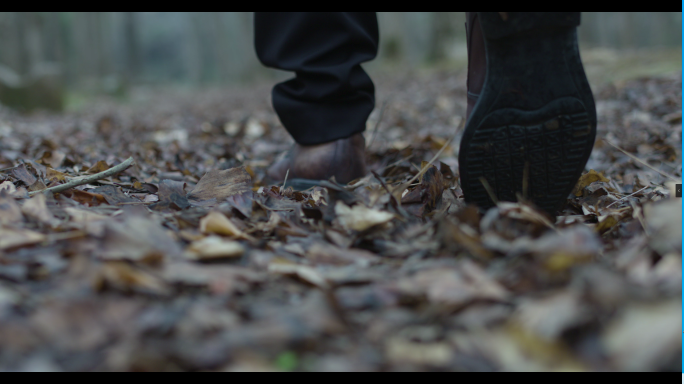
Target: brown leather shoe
[{"x": 345, "y": 159}]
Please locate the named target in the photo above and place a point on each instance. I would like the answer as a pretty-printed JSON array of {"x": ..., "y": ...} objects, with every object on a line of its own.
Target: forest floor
[{"x": 189, "y": 260}]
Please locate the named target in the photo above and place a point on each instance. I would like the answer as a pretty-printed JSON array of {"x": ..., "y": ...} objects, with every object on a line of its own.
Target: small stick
[
  {"x": 419, "y": 174},
  {"x": 617, "y": 201},
  {"x": 640, "y": 161},
  {"x": 285, "y": 181},
  {"x": 10, "y": 168},
  {"x": 88, "y": 179}
]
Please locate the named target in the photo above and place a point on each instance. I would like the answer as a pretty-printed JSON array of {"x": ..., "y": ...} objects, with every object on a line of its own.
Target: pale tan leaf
[
  {"x": 359, "y": 217},
  {"x": 214, "y": 247}
]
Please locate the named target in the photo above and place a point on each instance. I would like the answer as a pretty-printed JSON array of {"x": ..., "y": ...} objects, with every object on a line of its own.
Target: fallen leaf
[
  {"x": 220, "y": 185},
  {"x": 453, "y": 286},
  {"x": 645, "y": 336},
  {"x": 549, "y": 316},
  {"x": 664, "y": 225},
  {"x": 83, "y": 216},
  {"x": 8, "y": 187},
  {"x": 214, "y": 247},
  {"x": 121, "y": 276},
  {"x": 10, "y": 238},
  {"x": 218, "y": 223},
  {"x": 53, "y": 159},
  {"x": 100, "y": 166},
  {"x": 306, "y": 273},
  {"x": 401, "y": 352},
  {"x": 37, "y": 209},
  {"x": 360, "y": 217},
  {"x": 138, "y": 238},
  {"x": 114, "y": 195},
  {"x": 10, "y": 213},
  {"x": 23, "y": 174},
  {"x": 51, "y": 174},
  {"x": 171, "y": 195},
  {"x": 587, "y": 179}
]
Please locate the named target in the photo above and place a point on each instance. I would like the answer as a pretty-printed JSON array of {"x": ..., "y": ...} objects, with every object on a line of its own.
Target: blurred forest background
[{"x": 47, "y": 58}]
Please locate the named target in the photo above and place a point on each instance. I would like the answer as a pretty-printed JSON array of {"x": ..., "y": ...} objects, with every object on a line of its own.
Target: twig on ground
[
  {"x": 617, "y": 201},
  {"x": 10, "y": 168},
  {"x": 282, "y": 188},
  {"x": 403, "y": 186},
  {"x": 88, "y": 179},
  {"x": 641, "y": 161}
]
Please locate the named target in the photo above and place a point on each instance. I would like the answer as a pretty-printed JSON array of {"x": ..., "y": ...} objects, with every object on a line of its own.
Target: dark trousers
[{"x": 331, "y": 96}]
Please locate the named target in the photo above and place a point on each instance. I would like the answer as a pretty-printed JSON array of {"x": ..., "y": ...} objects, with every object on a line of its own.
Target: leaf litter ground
[{"x": 192, "y": 260}]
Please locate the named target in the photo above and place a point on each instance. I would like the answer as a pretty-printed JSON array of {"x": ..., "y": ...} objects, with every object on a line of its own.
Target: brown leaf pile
[{"x": 191, "y": 261}]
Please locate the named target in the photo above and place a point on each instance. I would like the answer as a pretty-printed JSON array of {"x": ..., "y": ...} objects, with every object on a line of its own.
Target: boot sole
[{"x": 534, "y": 125}]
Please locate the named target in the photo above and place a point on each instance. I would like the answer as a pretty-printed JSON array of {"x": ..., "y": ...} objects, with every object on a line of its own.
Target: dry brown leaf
[
  {"x": 24, "y": 175},
  {"x": 10, "y": 213},
  {"x": 8, "y": 187},
  {"x": 121, "y": 276},
  {"x": 644, "y": 336},
  {"x": 221, "y": 184},
  {"x": 401, "y": 352},
  {"x": 587, "y": 179},
  {"x": 10, "y": 238},
  {"x": 453, "y": 286},
  {"x": 82, "y": 216},
  {"x": 217, "y": 223},
  {"x": 37, "y": 209},
  {"x": 52, "y": 174},
  {"x": 664, "y": 225},
  {"x": 100, "y": 166},
  {"x": 138, "y": 238},
  {"x": 548, "y": 317},
  {"x": 53, "y": 159},
  {"x": 306, "y": 273}
]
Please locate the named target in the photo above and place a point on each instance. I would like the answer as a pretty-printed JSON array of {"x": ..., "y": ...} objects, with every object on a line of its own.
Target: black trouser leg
[{"x": 331, "y": 96}]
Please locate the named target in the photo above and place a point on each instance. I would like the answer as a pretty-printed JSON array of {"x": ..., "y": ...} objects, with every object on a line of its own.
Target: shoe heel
[{"x": 496, "y": 25}]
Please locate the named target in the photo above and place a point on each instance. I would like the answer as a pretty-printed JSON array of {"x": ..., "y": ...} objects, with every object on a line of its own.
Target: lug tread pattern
[{"x": 554, "y": 151}]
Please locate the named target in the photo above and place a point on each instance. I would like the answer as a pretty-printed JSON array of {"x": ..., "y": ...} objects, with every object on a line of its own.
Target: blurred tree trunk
[{"x": 131, "y": 47}]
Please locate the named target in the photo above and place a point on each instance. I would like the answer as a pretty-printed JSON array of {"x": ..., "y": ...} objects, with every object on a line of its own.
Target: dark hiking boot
[
  {"x": 532, "y": 125},
  {"x": 309, "y": 164}
]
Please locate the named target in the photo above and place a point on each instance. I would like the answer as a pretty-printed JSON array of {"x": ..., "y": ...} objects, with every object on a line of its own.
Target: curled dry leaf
[
  {"x": 587, "y": 179},
  {"x": 8, "y": 187},
  {"x": 306, "y": 273},
  {"x": 214, "y": 247},
  {"x": 359, "y": 217},
  {"x": 121, "y": 276},
  {"x": 217, "y": 223}
]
